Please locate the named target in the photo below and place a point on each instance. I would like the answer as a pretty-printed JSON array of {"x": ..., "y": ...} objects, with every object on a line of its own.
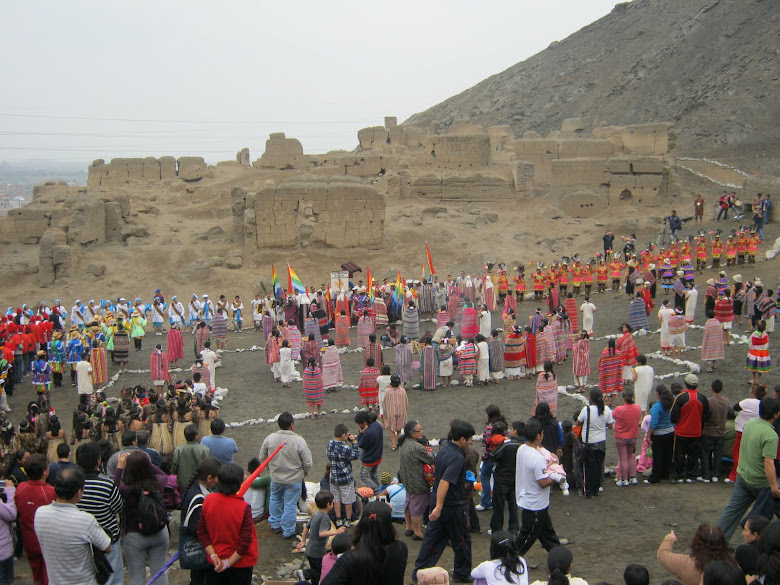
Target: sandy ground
[{"x": 624, "y": 525}]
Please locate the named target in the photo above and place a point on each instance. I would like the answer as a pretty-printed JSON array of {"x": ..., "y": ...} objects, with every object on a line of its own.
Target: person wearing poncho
[
  {"x": 637, "y": 313},
  {"x": 626, "y": 346},
  {"x": 444, "y": 355},
  {"x": 712, "y": 346},
  {"x": 611, "y": 372},
  {"x": 758, "y": 359},
  {"x": 581, "y": 361}
]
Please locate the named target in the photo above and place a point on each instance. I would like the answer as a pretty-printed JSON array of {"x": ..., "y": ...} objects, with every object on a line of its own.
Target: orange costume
[{"x": 538, "y": 279}]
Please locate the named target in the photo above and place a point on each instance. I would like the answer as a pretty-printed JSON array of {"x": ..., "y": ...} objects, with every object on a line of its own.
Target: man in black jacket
[{"x": 505, "y": 458}]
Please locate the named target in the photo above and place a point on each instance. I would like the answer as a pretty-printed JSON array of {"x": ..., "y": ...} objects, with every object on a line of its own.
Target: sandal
[{"x": 408, "y": 532}]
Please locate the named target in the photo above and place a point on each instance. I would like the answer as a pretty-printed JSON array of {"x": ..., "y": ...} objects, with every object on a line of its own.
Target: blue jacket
[{"x": 371, "y": 443}]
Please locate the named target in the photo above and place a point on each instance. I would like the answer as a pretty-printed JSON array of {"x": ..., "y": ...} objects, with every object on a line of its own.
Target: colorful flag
[
  {"x": 293, "y": 282},
  {"x": 278, "y": 292},
  {"x": 370, "y": 285},
  {"x": 422, "y": 274},
  {"x": 430, "y": 260},
  {"x": 327, "y": 299},
  {"x": 398, "y": 293}
]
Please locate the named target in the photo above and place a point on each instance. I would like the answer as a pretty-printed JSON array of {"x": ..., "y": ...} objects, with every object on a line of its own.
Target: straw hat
[{"x": 737, "y": 278}]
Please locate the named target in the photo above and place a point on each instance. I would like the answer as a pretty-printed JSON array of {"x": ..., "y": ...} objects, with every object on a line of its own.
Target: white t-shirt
[
  {"x": 530, "y": 469},
  {"x": 598, "y": 424},
  {"x": 488, "y": 571},
  {"x": 199, "y": 388}
]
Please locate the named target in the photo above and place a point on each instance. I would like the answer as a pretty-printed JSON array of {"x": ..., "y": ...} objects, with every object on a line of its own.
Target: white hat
[
  {"x": 737, "y": 278},
  {"x": 205, "y": 296},
  {"x": 757, "y": 282},
  {"x": 680, "y": 273},
  {"x": 651, "y": 266},
  {"x": 711, "y": 282}
]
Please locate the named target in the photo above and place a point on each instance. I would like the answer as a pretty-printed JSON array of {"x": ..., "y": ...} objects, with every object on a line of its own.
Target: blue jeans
[
  {"x": 742, "y": 496},
  {"x": 7, "y": 571},
  {"x": 283, "y": 508},
  {"x": 485, "y": 474},
  {"x": 115, "y": 558}
]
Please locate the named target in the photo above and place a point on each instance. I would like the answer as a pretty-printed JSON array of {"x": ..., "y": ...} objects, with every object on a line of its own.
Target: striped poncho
[
  {"x": 380, "y": 312},
  {"x": 571, "y": 309},
  {"x": 411, "y": 323},
  {"x": 758, "y": 359},
  {"x": 712, "y": 347},
  {"x": 581, "y": 355},
  {"x": 428, "y": 368},
  {"x": 546, "y": 391},
  {"x": 219, "y": 327},
  {"x": 545, "y": 346},
  {"x": 365, "y": 327},
  {"x": 514, "y": 351},
  {"x": 369, "y": 391},
  {"x": 374, "y": 350},
  {"x": 332, "y": 375},
  {"x": 403, "y": 362},
  {"x": 470, "y": 326},
  {"x": 313, "y": 390},
  {"x": 467, "y": 360},
  {"x": 312, "y": 327},
  {"x": 342, "y": 331},
  {"x": 627, "y": 348},
  {"x": 611, "y": 372},
  {"x": 496, "y": 345},
  {"x": 637, "y": 315},
  {"x": 295, "y": 341}
]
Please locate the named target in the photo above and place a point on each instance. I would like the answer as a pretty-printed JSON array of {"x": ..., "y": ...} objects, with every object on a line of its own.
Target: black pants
[
  {"x": 451, "y": 527},
  {"x": 593, "y": 467},
  {"x": 724, "y": 211},
  {"x": 57, "y": 378},
  {"x": 711, "y": 456},
  {"x": 137, "y": 342},
  {"x": 232, "y": 576},
  {"x": 536, "y": 525},
  {"x": 663, "y": 450},
  {"x": 315, "y": 570},
  {"x": 473, "y": 518},
  {"x": 504, "y": 494},
  {"x": 686, "y": 456}
]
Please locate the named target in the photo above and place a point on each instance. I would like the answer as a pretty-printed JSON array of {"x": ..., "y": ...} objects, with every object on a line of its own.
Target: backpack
[
  {"x": 171, "y": 494},
  {"x": 152, "y": 515}
]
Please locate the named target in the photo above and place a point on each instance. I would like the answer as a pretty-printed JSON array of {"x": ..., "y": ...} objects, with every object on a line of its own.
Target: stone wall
[
  {"x": 121, "y": 171},
  {"x": 339, "y": 212},
  {"x": 282, "y": 153}
]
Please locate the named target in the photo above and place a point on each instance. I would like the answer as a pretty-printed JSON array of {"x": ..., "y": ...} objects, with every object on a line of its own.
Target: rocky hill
[{"x": 711, "y": 67}]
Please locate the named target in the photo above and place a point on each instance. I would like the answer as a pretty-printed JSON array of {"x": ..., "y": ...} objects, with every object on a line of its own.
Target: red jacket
[
  {"x": 226, "y": 524},
  {"x": 690, "y": 410},
  {"x": 31, "y": 495}
]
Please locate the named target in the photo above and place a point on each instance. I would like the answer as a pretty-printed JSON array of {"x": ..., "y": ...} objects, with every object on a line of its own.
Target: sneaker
[
  {"x": 601, "y": 489},
  {"x": 727, "y": 480},
  {"x": 689, "y": 480},
  {"x": 347, "y": 524},
  {"x": 481, "y": 508},
  {"x": 490, "y": 532},
  {"x": 339, "y": 523},
  {"x": 701, "y": 479},
  {"x": 619, "y": 483},
  {"x": 705, "y": 481},
  {"x": 715, "y": 480},
  {"x": 565, "y": 490},
  {"x": 647, "y": 481},
  {"x": 632, "y": 481}
]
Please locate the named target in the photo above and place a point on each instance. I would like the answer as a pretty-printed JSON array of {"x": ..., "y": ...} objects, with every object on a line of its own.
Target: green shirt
[{"x": 759, "y": 440}]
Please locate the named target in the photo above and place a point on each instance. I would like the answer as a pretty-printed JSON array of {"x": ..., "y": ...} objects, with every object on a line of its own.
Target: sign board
[{"x": 339, "y": 281}]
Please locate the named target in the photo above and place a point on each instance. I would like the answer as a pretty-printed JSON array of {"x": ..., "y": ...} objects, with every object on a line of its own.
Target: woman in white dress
[
  {"x": 587, "y": 309},
  {"x": 285, "y": 364},
  {"x": 483, "y": 360},
  {"x": 664, "y": 314},
  {"x": 691, "y": 296}
]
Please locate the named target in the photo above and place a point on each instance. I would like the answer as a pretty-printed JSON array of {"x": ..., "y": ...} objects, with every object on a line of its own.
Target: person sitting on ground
[
  {"x": 636, "y": 575},
  {"x": 505, "y": 565},
  {"x": 559, "y": 564},
  {"x": 747, "y": 554},
  {"x": 708, "y": 545}
]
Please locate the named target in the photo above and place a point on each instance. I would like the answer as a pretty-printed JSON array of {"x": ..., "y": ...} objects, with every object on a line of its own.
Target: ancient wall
[
  {"x": 282, "y": 153},
  {"x": 642, "y": 139},
  {"x": 121, "y": 171},
  {"x": 340, "y": 212}
]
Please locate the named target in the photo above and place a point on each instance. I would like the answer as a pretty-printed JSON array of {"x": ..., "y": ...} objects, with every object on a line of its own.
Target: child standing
[
  {"x": 316, "y": 533},
  {"x": 627, "y": 417},
  {"x": 341, "y": 452},
  {"x": 505, "y": 458}
]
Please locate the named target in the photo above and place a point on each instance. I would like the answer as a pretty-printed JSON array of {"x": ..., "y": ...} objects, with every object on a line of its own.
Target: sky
[{"x": 83, "y": 80}]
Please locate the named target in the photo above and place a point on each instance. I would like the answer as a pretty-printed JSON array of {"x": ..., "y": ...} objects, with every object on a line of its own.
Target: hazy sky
[{"x": 85, "y": 80}]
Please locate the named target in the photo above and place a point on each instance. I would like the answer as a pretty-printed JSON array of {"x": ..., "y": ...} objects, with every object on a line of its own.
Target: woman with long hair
[
  {"x": 769, "y": 559},
  {"x": 200, "y": 485},
  {"x": 492, "y": 414},
  {"x": 611, "y": 371},
  {"x": 546, "y": 389},
  {"x": 181, "y": 414},
  {"x": 505, "y": 565},
  {"x": 54, "y": 437},
  {"x": 414, "y": 457},
  {"x": 708, "y": 545},
  {"x": 553, "y": 434},
  {"x": 135, "y": 475},
  {"x": 226, "y": 530},
  {"x": 559, "y": 564},
  {"x": 161, "y": 439},
  {"x": 594, "y": 420},
  {"x": 581, "y": 361},
  {"x": 376, "y": 557},
  {"x": 661, "y": 433},
  {"x": 112, "y": 428}
]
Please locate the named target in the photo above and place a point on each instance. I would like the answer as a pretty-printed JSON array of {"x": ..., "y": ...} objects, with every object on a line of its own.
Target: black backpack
[{"x": 152, "y": 514}]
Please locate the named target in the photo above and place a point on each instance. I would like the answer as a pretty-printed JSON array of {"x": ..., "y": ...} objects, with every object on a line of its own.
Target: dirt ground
[{"x": 622, "y": 526}]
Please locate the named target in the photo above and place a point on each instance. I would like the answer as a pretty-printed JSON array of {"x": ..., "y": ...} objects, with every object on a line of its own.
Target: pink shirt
[
  {"x": 627, "y": 417},
  {"x": 327, "y": 564}
]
